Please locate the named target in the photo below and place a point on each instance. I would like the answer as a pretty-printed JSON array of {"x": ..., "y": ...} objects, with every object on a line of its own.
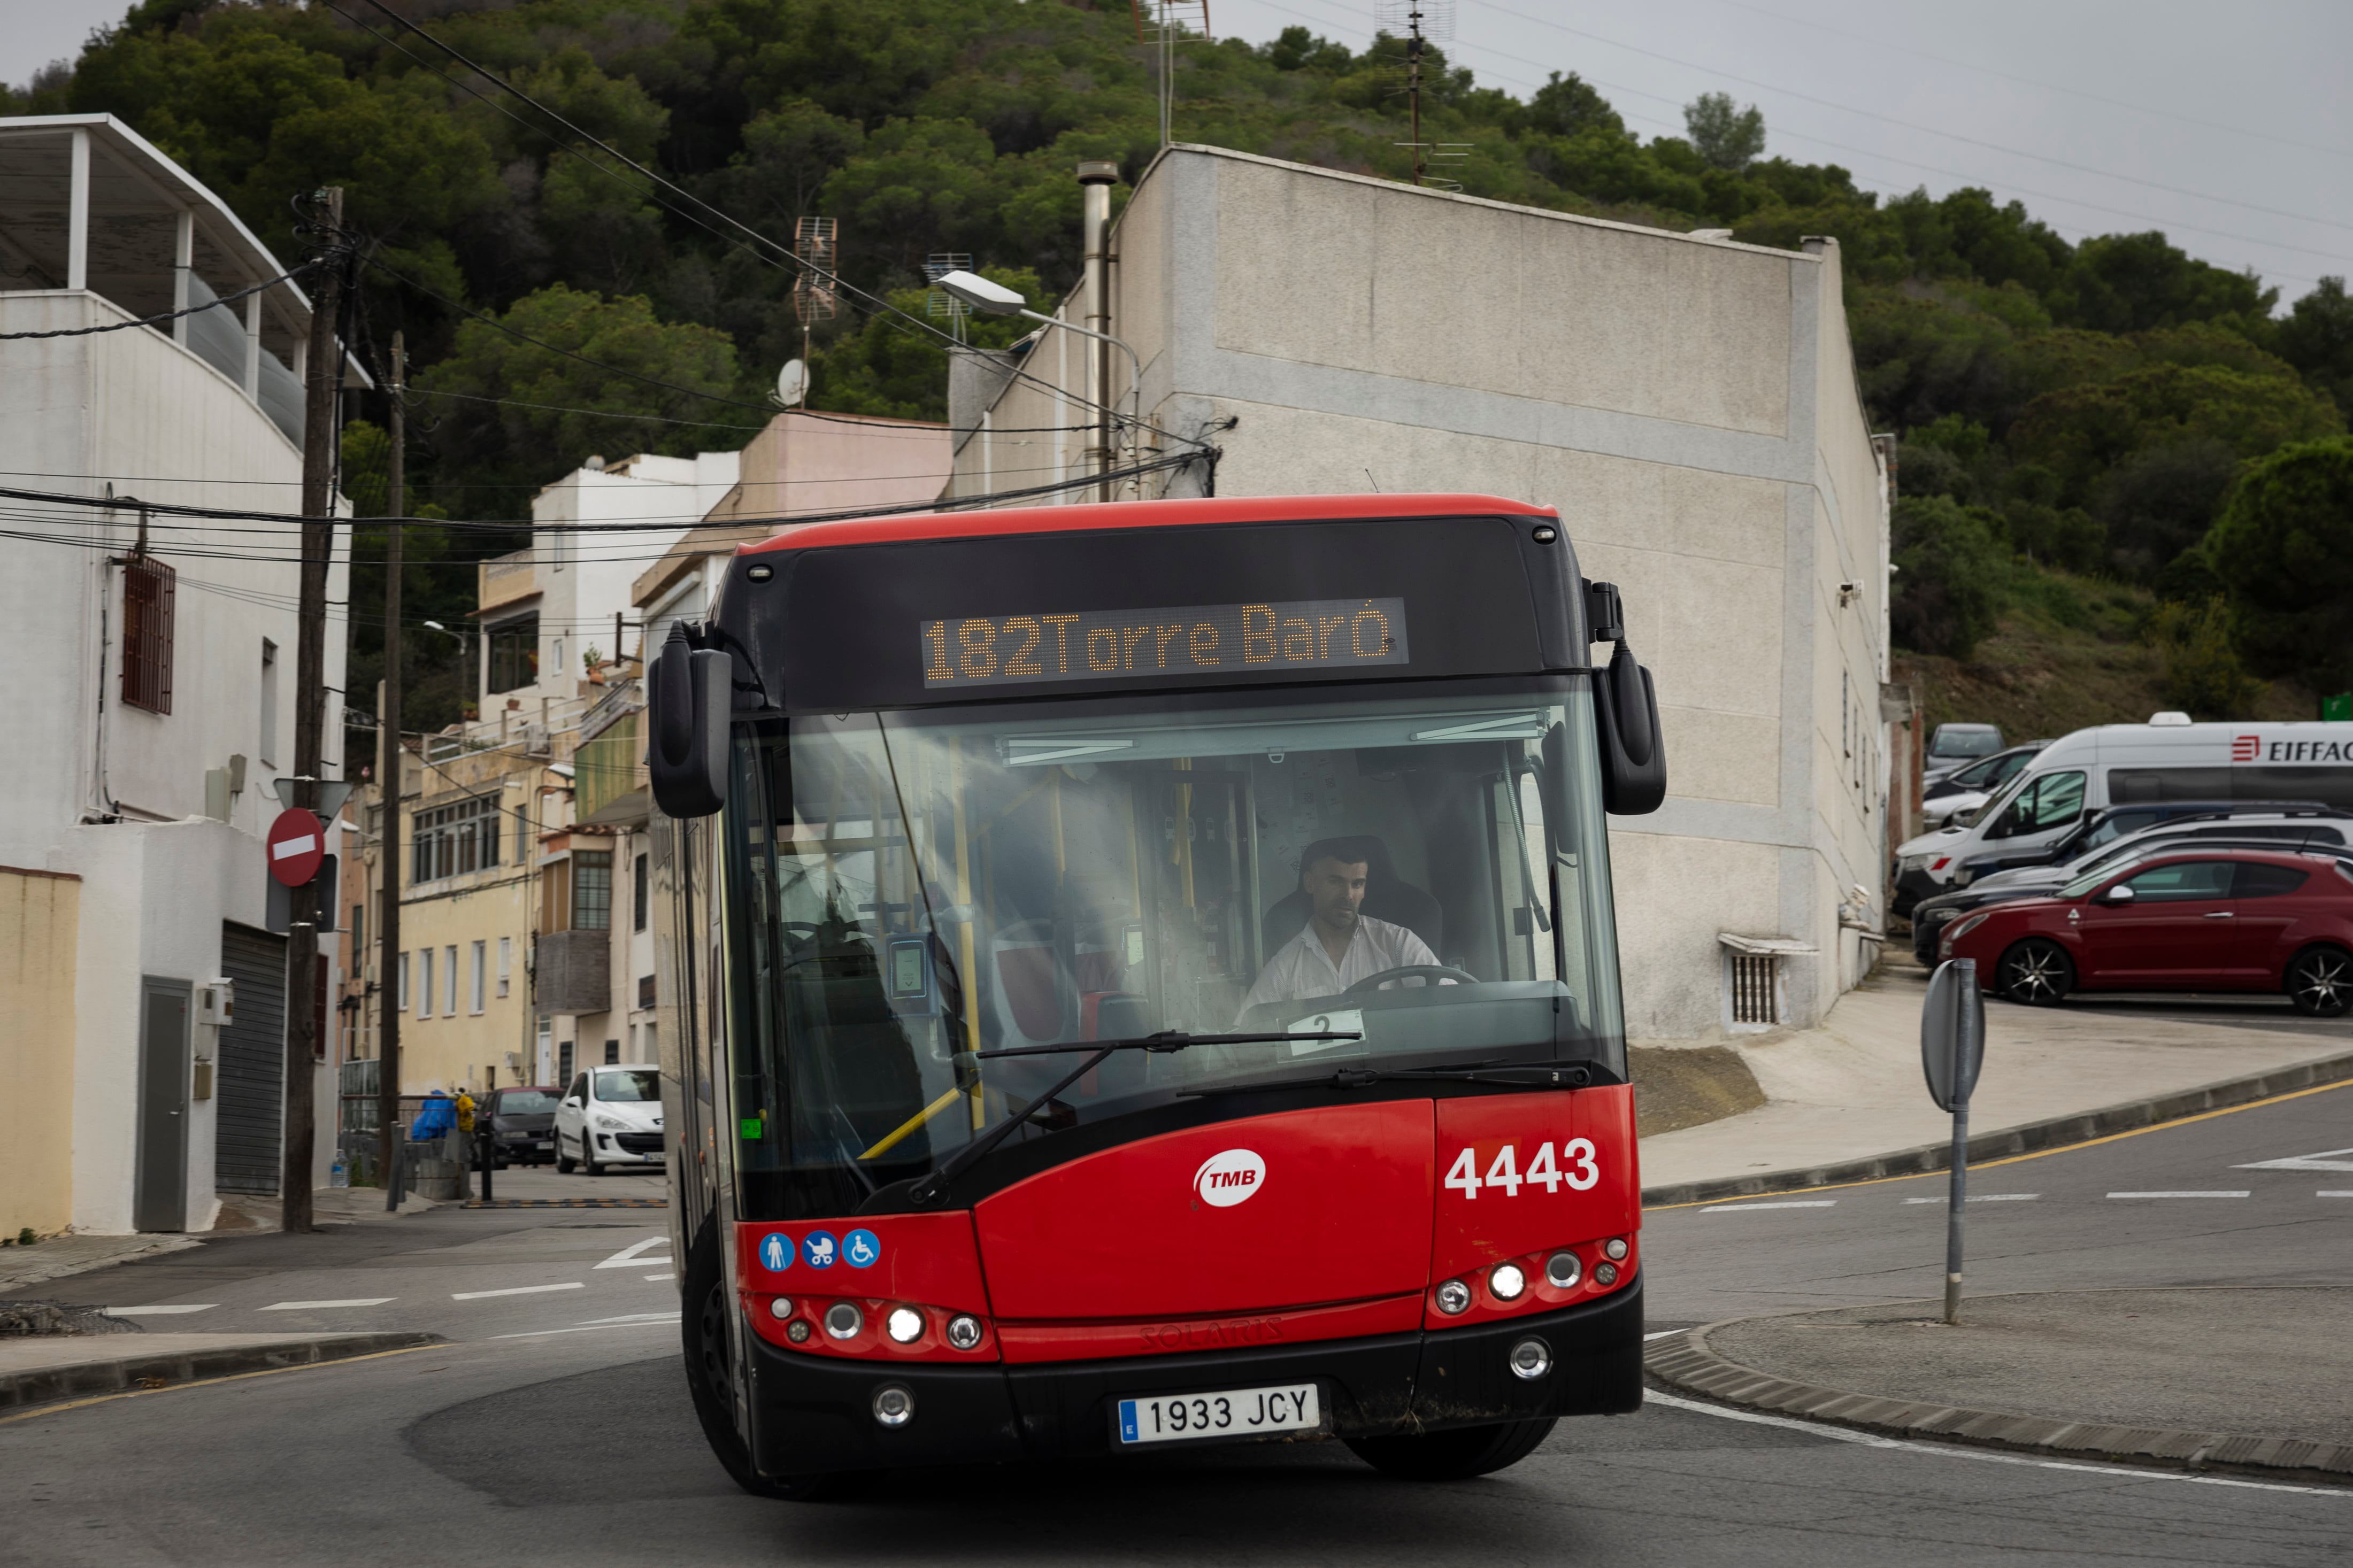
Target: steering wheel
[{"x": 1433, "y": 972}]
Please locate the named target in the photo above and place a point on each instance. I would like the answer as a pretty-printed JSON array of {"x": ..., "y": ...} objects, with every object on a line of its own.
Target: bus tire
[
  {"x": 2036, "y": 972},
  {"x": 1456, "y": 1455},
  {"x": 703, "y": 1325},
  {"x": 2320, "y": 982}
]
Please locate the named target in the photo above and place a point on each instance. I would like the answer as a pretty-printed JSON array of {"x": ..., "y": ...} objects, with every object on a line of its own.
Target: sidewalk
[
  {"x": 62, "y": 1255},
  {"x": 2238, "y": 1376},
  {"x": 38, "y": 1370},
  {"x": 1845, "y": 1101}
]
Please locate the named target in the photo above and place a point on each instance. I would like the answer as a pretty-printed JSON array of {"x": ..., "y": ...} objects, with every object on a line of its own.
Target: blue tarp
[{"x": 435, "y": 1118}]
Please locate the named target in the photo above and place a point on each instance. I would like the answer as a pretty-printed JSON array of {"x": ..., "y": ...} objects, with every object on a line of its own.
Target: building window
[
  {"x": 268, "y": 748},
  {"x": 402, "y": 965},
  {"x": 148, "y": 590},
  {"x": 592, "y": 889},
  {"x": 477, "y": 977},
  {"x": 645, "y": 991},
  {"x": 425, "y": 983},
  {"x": 359, "y": 933},
  {"x": 451, "y": 840},
  {"x": 1755, "y": 988},
  {"x": 637, "y": 899},
  {"x": 449, "y": 968},
  {"x": 563, "y": 1062},
  {"x": 514, "y": 654},
  {"x": 612, "y": 1053},
  {"x": 506, "y": 963}
]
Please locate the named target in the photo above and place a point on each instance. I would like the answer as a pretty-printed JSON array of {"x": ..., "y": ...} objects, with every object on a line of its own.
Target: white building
[
  {"x": 1690, "y": 406},
  {"x": 150, "y": 702}
]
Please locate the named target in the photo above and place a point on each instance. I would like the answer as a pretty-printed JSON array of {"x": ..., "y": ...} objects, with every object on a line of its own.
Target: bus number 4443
[{"x": 1576, "y": 1168}]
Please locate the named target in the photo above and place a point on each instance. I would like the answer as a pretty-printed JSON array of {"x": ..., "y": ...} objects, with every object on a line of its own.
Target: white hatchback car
[{"x": 611, "y": 1116}]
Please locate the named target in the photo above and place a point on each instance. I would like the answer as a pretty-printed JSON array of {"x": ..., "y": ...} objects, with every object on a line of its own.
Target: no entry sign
[{"x": 296, "y": 847}]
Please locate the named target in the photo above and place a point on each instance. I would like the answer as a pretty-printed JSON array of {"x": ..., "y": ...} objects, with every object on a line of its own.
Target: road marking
[
  {"x": 516, "y": 1290},
  {"x": 630, "y": 1318},
  {"x": 2327, "y": 1160},
  {"x": 627, "y": 1257},
  {"x": 39, "y": 1411},
  {"x": 311, "y": 1306},
  {"x": 157, "y": 1312},
  {"x": 2334, "y": 1193},
  {"x": 652, "y": 1278},
  {"x": 1984, "y": 1198},
  {"x": 2045, "y": 1154},
  {"x": 1956, "y": 1451},
  {"x": 1662, "y": 1334},
  {"x": 2181, "y": 1195},
  {"x": 585, "y": 1329},
  {"x": 1803, "y": 1203}
]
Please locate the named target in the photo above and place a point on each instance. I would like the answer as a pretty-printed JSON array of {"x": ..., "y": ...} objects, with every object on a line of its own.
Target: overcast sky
[{"x": 2227, "y": 125}]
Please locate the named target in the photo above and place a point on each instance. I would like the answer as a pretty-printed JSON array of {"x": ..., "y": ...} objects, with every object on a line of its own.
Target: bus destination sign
[{"x": 1128, "y": 645}]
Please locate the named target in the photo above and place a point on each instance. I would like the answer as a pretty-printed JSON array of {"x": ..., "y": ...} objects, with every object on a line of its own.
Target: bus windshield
[{"x": 908, "y": 890}]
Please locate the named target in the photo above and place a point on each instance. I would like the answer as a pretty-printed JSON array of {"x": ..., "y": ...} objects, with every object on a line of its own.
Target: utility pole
[
  {"x": 326, "y": 371},
  {"x": 391, "y": 764},
  {"x": 1095, "y": 181}
]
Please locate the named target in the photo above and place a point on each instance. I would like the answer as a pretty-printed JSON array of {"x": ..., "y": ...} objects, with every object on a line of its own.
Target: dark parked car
[
  {"x": 523, "y": 1124},
  {"x": 2199, "y": 919},
  {"x": 2265, "y": 829},
  {"x": 2116, "y": 822}
]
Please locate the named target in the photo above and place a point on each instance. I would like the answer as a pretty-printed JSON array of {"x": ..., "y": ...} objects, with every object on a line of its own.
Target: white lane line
[
  {"x": 627, "y": 1257},
  {"x": 157, "y": 1312},
  {"x": 585, "y": 1329},
  {"x": 2327, "y": 1160},
  {"x": 2209, "y": 1194},
  {"x": 309, "y": 1306},
  {"x": 1662, "y": 1334},
  {"x": 516, "y": 1290},
  {"x": 651, "y": 1277},
  {"x": 1956, "y": 1451},
  {"x": 1744, "y": 1208},
  {"x": 2334, "y": 1193},
  {"x": 1987, "y": 1198},
  {"x": 631, "y": 1318}
]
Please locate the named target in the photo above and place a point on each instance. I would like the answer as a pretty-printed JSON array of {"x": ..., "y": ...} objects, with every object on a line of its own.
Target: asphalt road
[{"x": 555, "y": 1428}]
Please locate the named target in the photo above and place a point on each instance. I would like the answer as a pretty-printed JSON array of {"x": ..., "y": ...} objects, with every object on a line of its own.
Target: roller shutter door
[{"x": 252, "y": 1063}]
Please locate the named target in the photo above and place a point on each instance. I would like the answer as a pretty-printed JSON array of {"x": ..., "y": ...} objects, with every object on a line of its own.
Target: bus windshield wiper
[
  {"x": 934, "y": 1187},
  {"x": 1536, "y": 1076}
]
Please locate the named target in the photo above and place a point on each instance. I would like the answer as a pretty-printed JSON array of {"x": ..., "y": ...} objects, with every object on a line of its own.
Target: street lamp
[{"x": 995, "y": 300}]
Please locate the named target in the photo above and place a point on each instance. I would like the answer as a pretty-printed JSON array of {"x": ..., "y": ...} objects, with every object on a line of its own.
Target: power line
[{"x": 1907, "y": 124}]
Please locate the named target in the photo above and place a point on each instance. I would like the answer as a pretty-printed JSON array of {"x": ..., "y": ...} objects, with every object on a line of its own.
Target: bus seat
[{"x": 1388, "y": 897}]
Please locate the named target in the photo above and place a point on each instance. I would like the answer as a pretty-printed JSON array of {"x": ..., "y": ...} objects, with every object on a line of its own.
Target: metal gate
[{"x": 252, "y": 1096}]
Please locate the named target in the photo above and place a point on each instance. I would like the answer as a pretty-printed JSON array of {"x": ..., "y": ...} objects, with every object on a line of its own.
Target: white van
[{"x": 2168, "y": 758}]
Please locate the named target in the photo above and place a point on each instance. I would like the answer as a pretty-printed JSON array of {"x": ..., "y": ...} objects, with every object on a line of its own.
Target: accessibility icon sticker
[
  {"x": 818, "y": 1247},
  {"x": 776, "y": 1251},
  {"x": 860, "y": 1248}
]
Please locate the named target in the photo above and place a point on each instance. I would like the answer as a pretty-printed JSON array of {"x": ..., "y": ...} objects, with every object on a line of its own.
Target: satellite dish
[{"x": 792, "y": 383}]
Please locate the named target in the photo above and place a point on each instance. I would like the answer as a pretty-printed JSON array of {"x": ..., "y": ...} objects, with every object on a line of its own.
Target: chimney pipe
[{"x": 1095, "y": 181}]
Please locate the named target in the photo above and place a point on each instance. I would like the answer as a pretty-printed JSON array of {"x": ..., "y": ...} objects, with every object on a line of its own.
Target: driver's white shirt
[{"x": 1302, "y": 967}]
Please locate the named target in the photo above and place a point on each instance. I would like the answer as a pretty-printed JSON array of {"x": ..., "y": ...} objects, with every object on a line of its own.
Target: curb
[
  {"x": 43, "y": 1385},
  {"x": 2032, "y": 1138},
  {"x": 1685, "y": 1363}
]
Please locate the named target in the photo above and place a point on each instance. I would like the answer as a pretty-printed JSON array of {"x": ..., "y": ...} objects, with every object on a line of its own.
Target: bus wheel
[
  {"x": 2037, "y": 972},
  {"x": 1454, "y": 1456},
  {"x": 2320, "y": 982},
  {"x": 709, "y": 1379}
]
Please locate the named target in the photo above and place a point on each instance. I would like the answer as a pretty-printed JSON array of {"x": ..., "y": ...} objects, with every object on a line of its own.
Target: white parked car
[{"x": 610, "y": 1116}]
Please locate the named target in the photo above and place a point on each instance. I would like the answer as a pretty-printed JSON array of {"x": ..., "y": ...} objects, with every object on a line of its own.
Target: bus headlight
[
  {"x": 1615, "y": 1249},
  {"x": 1454, "y": 1297},
  {"x": 843, "y": 1319},
  {"x": 782, "y": 1307},
  {"x": 905, "y": 1325},
  {"x": 894, "y": 1405},
  {"x": 1531, "y": 1359},
  {"x": 964, "y": 1330},
  {"x": 1605, "y": 1274},
  {"x": 1563, "y": 1270},
  {"x": 1506, "y": 1282}
]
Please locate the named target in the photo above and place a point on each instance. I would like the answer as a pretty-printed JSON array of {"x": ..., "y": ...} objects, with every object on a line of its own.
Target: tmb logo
[
  {"x": 1226, "y": 1179},
  {"x": 2245, "y": 748}
]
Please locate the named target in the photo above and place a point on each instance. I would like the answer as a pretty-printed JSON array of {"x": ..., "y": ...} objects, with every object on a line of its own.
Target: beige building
[{"x": 1690, "y": 406}]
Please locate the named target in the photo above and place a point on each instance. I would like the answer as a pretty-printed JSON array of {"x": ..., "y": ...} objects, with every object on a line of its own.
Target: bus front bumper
[{"x": 816, "y": 1414}]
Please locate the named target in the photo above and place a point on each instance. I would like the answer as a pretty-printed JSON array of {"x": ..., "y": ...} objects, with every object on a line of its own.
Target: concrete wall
[
  {"x": 1689, "y": 407},
  {"x": 39, "y": 928}
]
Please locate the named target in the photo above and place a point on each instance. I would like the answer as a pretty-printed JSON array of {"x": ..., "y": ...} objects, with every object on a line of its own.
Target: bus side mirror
[
  {"x": 690, "y": 702},
  {"x": 1634, "y": 755}
]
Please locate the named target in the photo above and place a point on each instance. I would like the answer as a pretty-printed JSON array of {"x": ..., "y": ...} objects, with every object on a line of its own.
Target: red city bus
[{"x": 1145, "y": 974}]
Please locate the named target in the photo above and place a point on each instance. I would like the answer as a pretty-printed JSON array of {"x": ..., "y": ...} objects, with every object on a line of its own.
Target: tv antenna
[
  {"x": 816, "y": 240},
  {"x": 1164, "y": 23},
  {"x": 1425, "y": 22},
  {"x": 939, "y": 301}
]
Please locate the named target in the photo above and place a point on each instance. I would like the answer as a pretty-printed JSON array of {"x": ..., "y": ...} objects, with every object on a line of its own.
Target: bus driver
[{"x": 1339, "y": 945}]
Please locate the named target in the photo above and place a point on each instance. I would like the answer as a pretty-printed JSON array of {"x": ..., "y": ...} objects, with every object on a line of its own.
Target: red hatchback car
[{"x": 2234, "y": 919}]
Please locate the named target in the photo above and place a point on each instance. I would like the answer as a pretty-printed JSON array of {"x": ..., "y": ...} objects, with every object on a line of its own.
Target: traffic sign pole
[{"x": 1952, "y": 1049}]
